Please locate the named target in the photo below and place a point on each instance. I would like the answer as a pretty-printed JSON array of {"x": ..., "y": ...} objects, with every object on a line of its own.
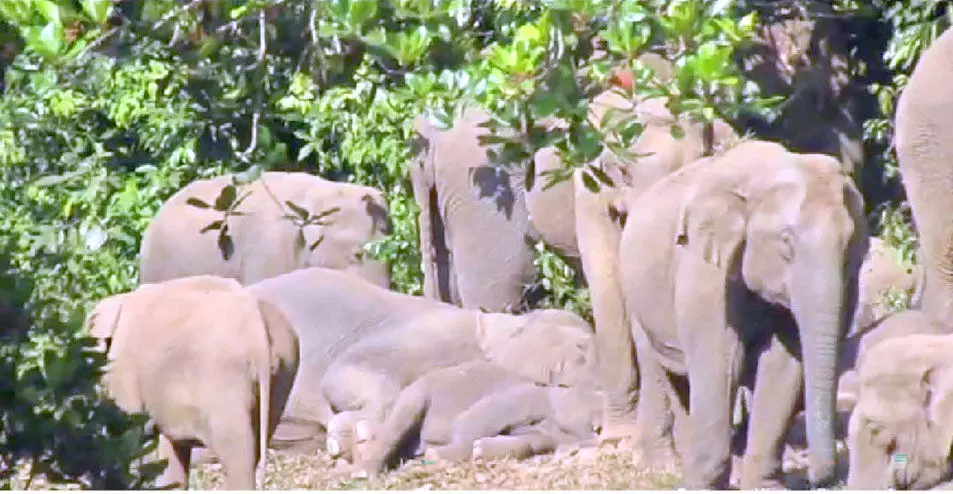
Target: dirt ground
[{"x": 588, "y": 469}]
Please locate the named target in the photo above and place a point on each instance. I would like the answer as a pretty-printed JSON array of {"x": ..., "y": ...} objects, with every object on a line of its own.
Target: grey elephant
[
  {"x": 208, "y": 362},
  {"x": 590, "y": 225},
  {"x": 881, "y": 273},
  {"x": 448, "y": 409},
  {"x": 895, "y": 325},
  {"x": 757, "y": 249},
  {"x": 264, "y": 243},
  {"x": 362, "y": 344},
  {"x": 475, "y": 239},
  {"x": 900, "y": 432},
  {"x": 924, "y": 129}
]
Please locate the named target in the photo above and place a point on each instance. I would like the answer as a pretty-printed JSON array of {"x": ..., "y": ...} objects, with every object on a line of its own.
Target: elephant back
[
  {"x": 263, "y": 242},
  {"x": 330, "y": 309}
]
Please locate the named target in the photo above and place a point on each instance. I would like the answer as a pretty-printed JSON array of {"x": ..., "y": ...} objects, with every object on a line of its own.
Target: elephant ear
[
  {"x": 102, "y": 322},
  {"x": 711, "y": 224},
  {"x": 937, "y": 387}
]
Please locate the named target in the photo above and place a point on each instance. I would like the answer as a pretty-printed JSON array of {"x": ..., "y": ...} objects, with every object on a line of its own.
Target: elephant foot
[
  {"x": 619, "y": 433},
  {"x": 333, "y": 448},
  {"x": 502, "y": 447},
  {"x": 448, "y": 453}
]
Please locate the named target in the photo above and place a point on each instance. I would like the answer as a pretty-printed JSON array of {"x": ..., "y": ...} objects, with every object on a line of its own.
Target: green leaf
[
  {"x": 298, "y": 210},
  {"x": 225, "y": 244},
  {"x": 49, "y": 10},
  {"x": 530, "y": 174},
  {"x": 361, "y": 12},
  {"x": 196, "y": 202},
  {"x": 601, "y": 175},
  {"x": 97, "y": 10},
  {"x": 677, "y": 131},
  {"x": 590, "y": 183},
  {"x": 215, "y": 225},
  {"x": 316, "y": 243},
  {"x": 226, "y": 198}
]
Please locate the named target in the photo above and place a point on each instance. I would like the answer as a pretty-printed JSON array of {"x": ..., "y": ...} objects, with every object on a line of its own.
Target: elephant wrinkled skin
[
  {"x": 361, "y": 345},
  {"x": 450, "y": 409},
  {"x": 757, "y": 248},
  {"x": 265, "y": 243},
  {"x": 904, "y": 407},
  {"x": 924, "y": 144},
  {"x": 208, "y": 362},
  {"x": 475, "y": 241}
]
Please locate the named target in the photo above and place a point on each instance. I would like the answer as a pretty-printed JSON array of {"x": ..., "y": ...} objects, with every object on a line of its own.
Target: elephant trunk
[{"x": 820, "y": 307}]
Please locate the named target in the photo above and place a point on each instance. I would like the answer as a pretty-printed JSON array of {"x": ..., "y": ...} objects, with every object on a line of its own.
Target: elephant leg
[
  {"x": 713, "y": 361},
  {"x": 434, "y": 254},
  {"x": 350, "y": 386},
  {"x": 777, "y": 387},
  {"x": 599, "y": 237},
  {"x": 654, "y": 411},
  {"x": 234, "y": 441},
  {"x": 493, "y": 415},
  {"x": 515, "y": 447},
  {"x": 178, "y": 457},
  {"x": 404, "y": 418},
  {"x": 304, "y": 422}
]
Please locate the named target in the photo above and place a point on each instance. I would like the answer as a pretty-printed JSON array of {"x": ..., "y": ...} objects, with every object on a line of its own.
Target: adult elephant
[
  {"x": 475, "y": 240},
  {"x": 759, "y": 246},
  {"x": 924, "y": 133},
  {"x": 579, "y": 222},
  {"x": 362, "y": 344},
  {"x": 167, "y": 359},
  {"x": 264, "y": 242}
]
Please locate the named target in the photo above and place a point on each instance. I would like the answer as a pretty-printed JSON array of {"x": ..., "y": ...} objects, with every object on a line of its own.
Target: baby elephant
[
  {"x": 901, "y": 430},
  {"x": 855, "y": 347},
  {"x": 479, "y": 409},
  {"x": 207, "y": 361}
]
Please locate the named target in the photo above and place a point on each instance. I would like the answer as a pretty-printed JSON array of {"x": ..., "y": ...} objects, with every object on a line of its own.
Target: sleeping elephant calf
[
  {"x": 264, "y": 242},
  {"x": 450, "y": 408},
  {"x": 901, "y": 430},
  {"x": 757, "y": 250},
  {"x": 361, "y": 345},
  {"x": 207, "y": 361}
]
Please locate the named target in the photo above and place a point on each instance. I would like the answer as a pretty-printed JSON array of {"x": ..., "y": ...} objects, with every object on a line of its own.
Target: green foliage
[
  {"x": 111, "y": 106},
  {"x": 557, "y": 282},
  {"x": 915, "y": 25}
]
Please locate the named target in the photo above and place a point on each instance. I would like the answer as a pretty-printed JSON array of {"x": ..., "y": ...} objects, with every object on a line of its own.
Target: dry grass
[{"x": 586, "y": 470}]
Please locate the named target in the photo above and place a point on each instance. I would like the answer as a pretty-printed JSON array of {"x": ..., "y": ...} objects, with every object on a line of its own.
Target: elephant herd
[{"x": 716, "y": 265}]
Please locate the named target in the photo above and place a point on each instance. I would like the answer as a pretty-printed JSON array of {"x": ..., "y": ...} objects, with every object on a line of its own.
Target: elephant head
[
  {"x": 789, "y": 228},
  {"x": 553, "y": 347},
  {"x": 901, "y": 432}
]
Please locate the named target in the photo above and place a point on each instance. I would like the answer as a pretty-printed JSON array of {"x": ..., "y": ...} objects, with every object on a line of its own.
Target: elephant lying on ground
[
  {"x": 756, "y": 250},
  {"x": 266, "y": 244},
  {"x": 361, "y": 345},
  {"x": 450, "y": 408},
  {"x": 208, "y": 362},
  {"x": 901, "y": 431}
]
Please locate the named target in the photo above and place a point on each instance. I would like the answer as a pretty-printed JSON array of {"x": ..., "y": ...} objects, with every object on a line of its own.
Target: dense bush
[{"x": 109, "y": 106}]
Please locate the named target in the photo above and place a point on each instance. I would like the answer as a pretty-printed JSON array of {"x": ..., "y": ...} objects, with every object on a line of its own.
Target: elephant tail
[{"x": 264, "y": 394}]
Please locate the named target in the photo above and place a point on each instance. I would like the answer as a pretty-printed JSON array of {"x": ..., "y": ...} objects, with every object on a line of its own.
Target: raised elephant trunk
[{"x": 819, "y": 304}]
